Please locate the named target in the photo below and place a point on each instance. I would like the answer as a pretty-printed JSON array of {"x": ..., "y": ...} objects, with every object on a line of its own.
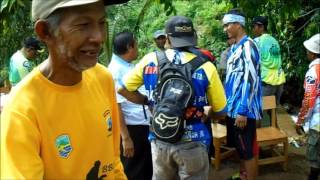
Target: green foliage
[
  {"x": 3, "y": 76},
  {"x": 205, "y": 14}
]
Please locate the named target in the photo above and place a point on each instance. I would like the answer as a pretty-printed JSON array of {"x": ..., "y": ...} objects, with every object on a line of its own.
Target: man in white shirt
[{"x": 134, "y": 123}]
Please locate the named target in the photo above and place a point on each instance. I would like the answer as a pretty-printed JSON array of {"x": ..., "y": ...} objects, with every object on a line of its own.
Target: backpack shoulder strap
[
  {"x": 195, "y": 51},
  {"x": 161, "y": 58},
  {"x": 197, "y": 62}
]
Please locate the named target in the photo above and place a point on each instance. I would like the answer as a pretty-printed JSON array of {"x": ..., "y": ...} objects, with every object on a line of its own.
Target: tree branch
[{"x": 306, "y": 14}]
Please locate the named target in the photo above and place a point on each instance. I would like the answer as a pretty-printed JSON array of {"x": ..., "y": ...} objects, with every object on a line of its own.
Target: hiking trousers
[{"x": 183, "y": 160}]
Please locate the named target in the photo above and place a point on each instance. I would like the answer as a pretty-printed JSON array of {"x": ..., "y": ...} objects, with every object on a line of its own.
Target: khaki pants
[{"x": 187, "y": 160}]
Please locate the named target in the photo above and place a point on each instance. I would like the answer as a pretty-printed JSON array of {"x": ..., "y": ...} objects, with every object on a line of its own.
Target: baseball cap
[
  {"x": 180, "y": 32},
  {"x": 313, "y": 44},
  {"x": 41, "y": 9},
  {"x": 31, "y": 42},
  {"x": 158, "y": 33},
  {"x": 262, "y": 20}
]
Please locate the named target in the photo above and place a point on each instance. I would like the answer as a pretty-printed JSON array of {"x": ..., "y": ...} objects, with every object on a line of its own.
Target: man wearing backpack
[
  {"x": 243, "y": 90},
  {"x": 179, "y": 142}
]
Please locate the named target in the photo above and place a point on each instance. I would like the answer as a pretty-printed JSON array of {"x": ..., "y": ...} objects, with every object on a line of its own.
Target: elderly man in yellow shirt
[{"x": 62, "y": 120}]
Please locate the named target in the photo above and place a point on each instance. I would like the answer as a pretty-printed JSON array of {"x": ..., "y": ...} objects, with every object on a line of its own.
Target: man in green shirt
[
  {"x": 21, "y": 62},
  {"x": 272, "y": 74}
]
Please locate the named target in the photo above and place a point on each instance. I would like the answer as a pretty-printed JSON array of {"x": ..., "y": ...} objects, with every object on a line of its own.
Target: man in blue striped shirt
[{"x": 243, "y": 91}]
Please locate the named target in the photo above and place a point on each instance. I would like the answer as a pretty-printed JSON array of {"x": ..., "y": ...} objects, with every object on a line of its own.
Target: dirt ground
[{"x": 298, "y": 168}]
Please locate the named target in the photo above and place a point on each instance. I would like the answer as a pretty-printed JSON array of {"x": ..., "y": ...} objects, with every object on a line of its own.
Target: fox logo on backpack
[{"x": 173, "y": 95}]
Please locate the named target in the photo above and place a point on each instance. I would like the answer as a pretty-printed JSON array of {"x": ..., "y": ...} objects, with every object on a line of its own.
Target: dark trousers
[
  {"x": 230, "y": 133},
  {"x": 138, "y": 167}
]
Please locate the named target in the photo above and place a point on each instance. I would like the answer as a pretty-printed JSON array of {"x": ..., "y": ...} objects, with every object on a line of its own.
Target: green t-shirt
[
  {"x": 19, "y": 67},
  {"x": 271, "y": 70}
]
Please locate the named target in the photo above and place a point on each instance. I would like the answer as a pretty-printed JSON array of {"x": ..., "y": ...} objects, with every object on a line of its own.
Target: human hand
[
  {"x": 206, "y": 114},
  {"x": 241, "y": 121},
  {"x": 128, "y": 147}
]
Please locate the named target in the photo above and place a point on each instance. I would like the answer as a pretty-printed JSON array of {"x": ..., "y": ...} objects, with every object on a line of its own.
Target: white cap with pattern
[{"x": 313, "y": 44}]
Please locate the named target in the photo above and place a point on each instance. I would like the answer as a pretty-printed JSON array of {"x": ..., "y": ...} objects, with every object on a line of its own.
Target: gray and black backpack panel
[{"x": 173, "y": 95}]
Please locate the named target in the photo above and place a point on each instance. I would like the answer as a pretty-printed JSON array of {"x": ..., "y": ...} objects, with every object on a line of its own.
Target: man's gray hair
[{"x": 54, "y": 20}]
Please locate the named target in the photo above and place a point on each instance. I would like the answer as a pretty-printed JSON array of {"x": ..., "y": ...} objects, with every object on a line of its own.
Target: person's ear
[
  {"x": 42, "y": 29},
  {"x": 129, "y": 47}
]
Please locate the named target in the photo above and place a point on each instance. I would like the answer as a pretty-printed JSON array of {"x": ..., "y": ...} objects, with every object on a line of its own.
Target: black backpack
[{"x": 172, "y": 95}]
